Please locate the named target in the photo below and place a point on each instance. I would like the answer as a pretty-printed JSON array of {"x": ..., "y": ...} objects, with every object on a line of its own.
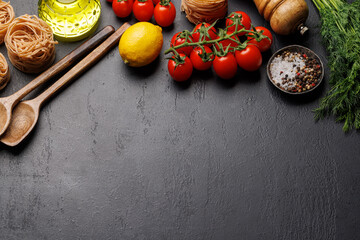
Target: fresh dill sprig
[{"x": 340, "y": 31}]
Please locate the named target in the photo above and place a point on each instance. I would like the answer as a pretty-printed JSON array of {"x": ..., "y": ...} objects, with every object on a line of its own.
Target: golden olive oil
[{"x": 70, "y": 20}]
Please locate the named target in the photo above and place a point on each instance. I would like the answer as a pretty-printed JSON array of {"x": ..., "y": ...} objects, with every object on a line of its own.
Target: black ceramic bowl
[{"x": 298, "y": 49}]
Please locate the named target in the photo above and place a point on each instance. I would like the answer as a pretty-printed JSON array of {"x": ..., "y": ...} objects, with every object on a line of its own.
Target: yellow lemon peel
[{"x": 141, "y": 44}]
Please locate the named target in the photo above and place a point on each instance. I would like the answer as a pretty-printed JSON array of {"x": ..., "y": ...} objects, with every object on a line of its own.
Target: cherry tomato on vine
[
  {"x": 264, "y": 44},
  {"x": 245, "y": 20},
  {"x": 143, "y": 10},
  {"x": 181, "y": 72},
  {"x": 122, "y": 8},
  {"x": 226, "y": 66},
  {"x": 198, "y": 62},
  {"x": 155, "y": 2},
  {"x": 177, "y": 40},
  {"x": 211, "y": 32},
  {"x": 164, "y": 14},
  {"x": 227, "y": 42},
  {"x": 249, "y": 59}
]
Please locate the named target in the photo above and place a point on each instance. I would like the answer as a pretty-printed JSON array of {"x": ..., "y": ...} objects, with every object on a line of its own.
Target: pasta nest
[
  {"x": 198, "y": 11},
  {"x": 4, "y": 72},
  {"x": 7, "y": 15},
  {"x": 30, "y": 44}
]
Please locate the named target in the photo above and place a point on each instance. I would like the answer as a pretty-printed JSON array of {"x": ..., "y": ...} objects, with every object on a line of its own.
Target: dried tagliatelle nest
[
  {"x": 30, "y": 44},
  {"x": 198, "y": 11},
  {"x": 7, "y": 15},
  {"x": 4, "y": 72}
]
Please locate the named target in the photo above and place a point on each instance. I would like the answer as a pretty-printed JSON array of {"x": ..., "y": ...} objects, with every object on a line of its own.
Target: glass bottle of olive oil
[{"x": 70, "y": 20}]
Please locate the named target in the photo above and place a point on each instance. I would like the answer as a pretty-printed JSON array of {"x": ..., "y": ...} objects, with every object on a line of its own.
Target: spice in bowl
[{"x": 295, "y": 69}]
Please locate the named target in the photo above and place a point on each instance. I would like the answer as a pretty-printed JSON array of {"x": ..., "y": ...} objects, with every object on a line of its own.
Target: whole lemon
[{"x": 141, "y": 44}]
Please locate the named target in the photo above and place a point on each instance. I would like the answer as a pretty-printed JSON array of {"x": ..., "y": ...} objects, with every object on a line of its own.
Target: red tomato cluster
[
  {"x": 164, "y": 11},
  {"x": 226, "y": 64}
]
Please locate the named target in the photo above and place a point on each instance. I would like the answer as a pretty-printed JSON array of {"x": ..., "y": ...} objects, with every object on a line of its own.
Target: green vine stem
[{"x": 164, "y": 2}]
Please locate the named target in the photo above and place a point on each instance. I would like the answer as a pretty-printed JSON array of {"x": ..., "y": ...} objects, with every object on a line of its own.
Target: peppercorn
[{"x": 304, "y": 76}]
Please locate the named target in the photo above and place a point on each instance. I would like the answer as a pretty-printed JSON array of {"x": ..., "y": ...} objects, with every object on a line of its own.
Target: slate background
[{"x": 127, "y": 153}]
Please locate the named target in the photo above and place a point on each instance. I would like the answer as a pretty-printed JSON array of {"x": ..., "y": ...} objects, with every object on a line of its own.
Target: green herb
[{"x": 340, "y": 31}]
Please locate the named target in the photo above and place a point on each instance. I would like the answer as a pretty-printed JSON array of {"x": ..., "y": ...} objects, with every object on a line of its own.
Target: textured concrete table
[{"x": 126, "y": 153}]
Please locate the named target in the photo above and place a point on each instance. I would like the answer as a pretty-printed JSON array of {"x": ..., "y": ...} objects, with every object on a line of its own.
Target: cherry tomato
[
  {"x": 264, "y": 44},
  {"x": 155, "y": 2},
  {"x": 177, "y": 40},
  {"x": 211, "y": 32},
  {"x": 227, "y": 42},
  {"x": 197, "y": 61},
  {"x": 245, "y": 20},
  {"x": 109, "y": 1},
  {"x": 122, "y": 8},
  {"x": 164, "y": 15},
  {"x": 181, "y": 72},
  {"x": 143, "y": 10},
  {"x": 249, "y": 59},
  {"x": 226, "y": 66}
]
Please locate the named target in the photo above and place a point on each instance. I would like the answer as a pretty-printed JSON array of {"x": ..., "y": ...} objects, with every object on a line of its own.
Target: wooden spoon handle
[
  {"x": 83, "y": 65},
  {"x": 65, "y": 62}
]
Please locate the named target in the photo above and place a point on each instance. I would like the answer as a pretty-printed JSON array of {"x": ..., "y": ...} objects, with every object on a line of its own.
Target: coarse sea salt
[{"x": 287, "y": 65}]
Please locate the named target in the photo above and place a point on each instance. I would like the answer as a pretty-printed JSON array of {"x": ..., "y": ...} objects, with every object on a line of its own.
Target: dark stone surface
[{"x": 127, "y": 153}]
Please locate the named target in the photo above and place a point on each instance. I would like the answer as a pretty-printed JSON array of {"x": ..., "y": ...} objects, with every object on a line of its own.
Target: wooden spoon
[
  {"x": 26, "y": 113},
  {"x": 8, "y": 103}
]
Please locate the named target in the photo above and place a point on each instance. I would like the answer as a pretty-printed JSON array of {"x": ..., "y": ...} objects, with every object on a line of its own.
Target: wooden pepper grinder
[{"x": 285, "y": 16}]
